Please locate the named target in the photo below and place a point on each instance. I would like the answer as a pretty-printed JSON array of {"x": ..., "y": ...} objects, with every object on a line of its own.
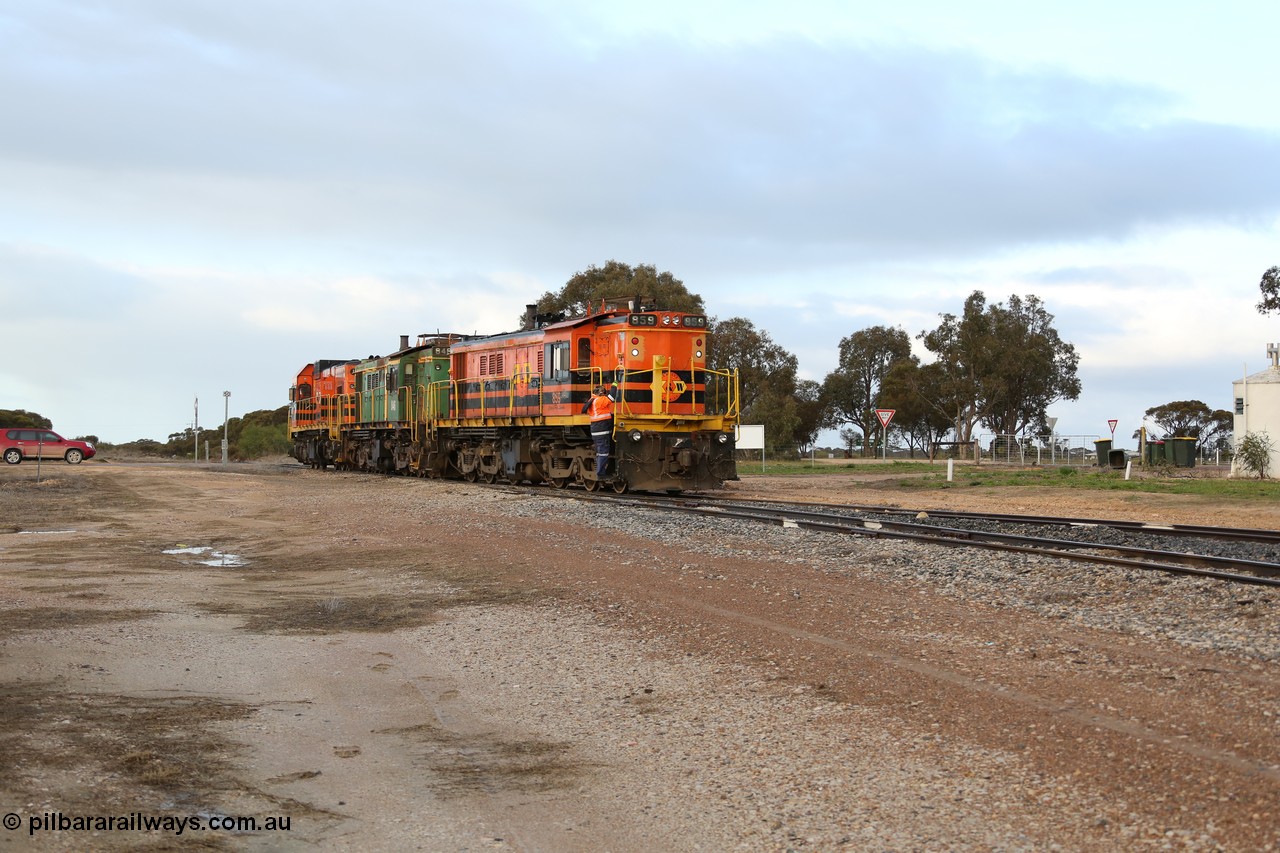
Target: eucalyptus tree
[
  {"x": 852, "y": 390},
  {"x": 1270, "y": 287},
  {"x": 764, "y": 368},
  {"x": 588, "y": 288},
  {"x": 911, "y": 389},
  {"x": 1001, "y": 366},
  {"x": 1193, "y": 419}
]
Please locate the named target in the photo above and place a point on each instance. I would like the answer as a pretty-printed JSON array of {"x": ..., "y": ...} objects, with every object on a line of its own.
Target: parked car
[{"x": 19, "y": 444}]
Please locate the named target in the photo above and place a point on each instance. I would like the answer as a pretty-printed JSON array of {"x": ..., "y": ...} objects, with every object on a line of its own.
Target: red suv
[{"x": 19, "y": 444}]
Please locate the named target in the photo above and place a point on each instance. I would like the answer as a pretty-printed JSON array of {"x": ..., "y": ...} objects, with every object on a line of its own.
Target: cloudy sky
[{"x": 201, "y": 197}]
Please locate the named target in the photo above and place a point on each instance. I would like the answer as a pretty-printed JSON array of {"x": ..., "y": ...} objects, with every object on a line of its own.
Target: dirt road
[{"x": 389, "y": 664}]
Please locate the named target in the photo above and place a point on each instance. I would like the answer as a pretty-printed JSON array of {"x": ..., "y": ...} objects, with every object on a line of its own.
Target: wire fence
[
  {"x": 1043, "y": 450},
  {"x": 987, "y": 449}
]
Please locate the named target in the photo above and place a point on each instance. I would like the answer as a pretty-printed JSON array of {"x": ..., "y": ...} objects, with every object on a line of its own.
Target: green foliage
[
  {"x": 1270, "y": 287},
  {"x": 23, "y": 419},
  {"x": 1036, "y": 368},
  {"x": 1254, "y": 453},
  {"x": 851, "y": 439},
  {"x": 853, "y": 390},
  {"x": 615, "y": 280},
  {"x": 778, "y": 412},
  {"x": 1193, "y": 419},
  {"x": 809, "y": 406},
  {"x": 910, "y": 388},
  {"x": 1001, "y": 366},
  {"x": 182, "y": 445},
  {"x": 145, "y": 446},
  {"x": 258, "y": 440},
  {"x": 766, "y": 377}
]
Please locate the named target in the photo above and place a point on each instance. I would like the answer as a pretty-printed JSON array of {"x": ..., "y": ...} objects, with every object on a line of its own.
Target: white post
[
  {"x": 951, "y": 469},
  {"x": 226, "y": 404}
]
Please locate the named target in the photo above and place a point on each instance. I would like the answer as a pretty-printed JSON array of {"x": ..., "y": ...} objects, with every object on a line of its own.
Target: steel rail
[
  {"x": 1204, "y": 531},
  {"x": 1197, "y": 565}
]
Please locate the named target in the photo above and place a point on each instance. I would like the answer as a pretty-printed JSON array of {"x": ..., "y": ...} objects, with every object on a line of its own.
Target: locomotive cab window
[
  {"x": 556, "y": 360},
  {"x": 584, "y": 353}
]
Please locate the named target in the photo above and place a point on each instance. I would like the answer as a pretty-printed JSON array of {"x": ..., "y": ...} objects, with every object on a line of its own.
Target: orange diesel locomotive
[{"x": 510, "y": 406}]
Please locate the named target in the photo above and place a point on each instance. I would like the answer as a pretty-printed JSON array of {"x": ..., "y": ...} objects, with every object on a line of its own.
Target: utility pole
[
  {"x": 196, "y": 448},
  {"x": 226, "y": 402}
]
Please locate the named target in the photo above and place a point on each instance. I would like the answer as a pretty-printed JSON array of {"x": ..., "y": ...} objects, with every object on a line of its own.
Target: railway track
[{"x": 1238, "y": 555}]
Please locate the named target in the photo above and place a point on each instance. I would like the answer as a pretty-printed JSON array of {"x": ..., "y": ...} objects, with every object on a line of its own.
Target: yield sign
[
  {"x": 885, "y": 415},
  {"x": 1112, "y": 423}
]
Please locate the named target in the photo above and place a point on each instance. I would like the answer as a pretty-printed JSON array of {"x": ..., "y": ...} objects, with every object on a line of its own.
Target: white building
[{"x": 1257, "y": 409}]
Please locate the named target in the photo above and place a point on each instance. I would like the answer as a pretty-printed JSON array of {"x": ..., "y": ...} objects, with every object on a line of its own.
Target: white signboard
[{"x": 749, "y": 437}]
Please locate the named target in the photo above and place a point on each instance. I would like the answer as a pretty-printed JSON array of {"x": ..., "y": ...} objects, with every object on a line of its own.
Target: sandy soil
[{"x": 400, "y": 664}]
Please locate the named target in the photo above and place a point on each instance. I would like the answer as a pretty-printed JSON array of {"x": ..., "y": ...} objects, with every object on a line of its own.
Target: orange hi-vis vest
[{"x": 601, "y": 408}]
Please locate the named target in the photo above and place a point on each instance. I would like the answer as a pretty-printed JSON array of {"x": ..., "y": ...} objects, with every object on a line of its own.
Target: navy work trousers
[{"x": 604, "y": 445}]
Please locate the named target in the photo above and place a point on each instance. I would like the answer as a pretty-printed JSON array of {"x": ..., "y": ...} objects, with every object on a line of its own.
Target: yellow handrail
[{"x": 424, "y": 405}]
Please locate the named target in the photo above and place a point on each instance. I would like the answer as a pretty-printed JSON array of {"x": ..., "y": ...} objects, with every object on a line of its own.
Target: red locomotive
[{"x": 511, "y": 406}]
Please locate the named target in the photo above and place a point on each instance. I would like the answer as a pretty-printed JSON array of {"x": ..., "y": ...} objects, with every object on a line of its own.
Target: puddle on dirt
[
  {"x": 28, "y": 532},
  {"x": 211, "y": 556}
]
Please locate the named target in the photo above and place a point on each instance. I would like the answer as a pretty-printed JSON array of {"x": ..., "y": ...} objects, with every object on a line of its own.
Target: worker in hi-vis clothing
[{"x": 600, "y": 409}]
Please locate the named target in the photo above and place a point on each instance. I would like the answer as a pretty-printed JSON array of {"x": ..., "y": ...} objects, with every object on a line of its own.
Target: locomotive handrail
[
  {"x": 731, "y": 392},
  {"x": 423, "y": 405},
  {"x": 451, "y": 402},
  {"x": 725, "y": 390},
  {"x": 530, "y": 381},
  {"x": 661, "y": 399},
  {"x": 424, "y": 410},
  {"x": 323, "y": 411}
]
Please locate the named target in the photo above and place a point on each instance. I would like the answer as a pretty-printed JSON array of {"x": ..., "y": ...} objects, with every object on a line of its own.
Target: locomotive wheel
[
  {"x": 470, "y": 476},
  {"x": 591, "y": 485},
  {"x": 558, "y": 482},
  {"x": 620, "y": 486},
  {"x": 490, "y": 478}
]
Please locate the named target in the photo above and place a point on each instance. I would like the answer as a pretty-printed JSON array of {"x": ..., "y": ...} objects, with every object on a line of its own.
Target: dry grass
[
  {"x": 488, "y": 764},
  {"x": 370, "y": 613},
  {"x": 167, "y": 745},
  {"x": 25, "y": 619}
]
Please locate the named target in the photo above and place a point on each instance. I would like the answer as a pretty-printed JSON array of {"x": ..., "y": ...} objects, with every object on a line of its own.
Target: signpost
[
  {"x": 885, "y": 415},
  {"x": 1112, "y": 423}
]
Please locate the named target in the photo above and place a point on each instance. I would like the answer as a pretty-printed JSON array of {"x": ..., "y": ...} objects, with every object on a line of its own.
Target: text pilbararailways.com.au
[{"x": 142, "y": 822}]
